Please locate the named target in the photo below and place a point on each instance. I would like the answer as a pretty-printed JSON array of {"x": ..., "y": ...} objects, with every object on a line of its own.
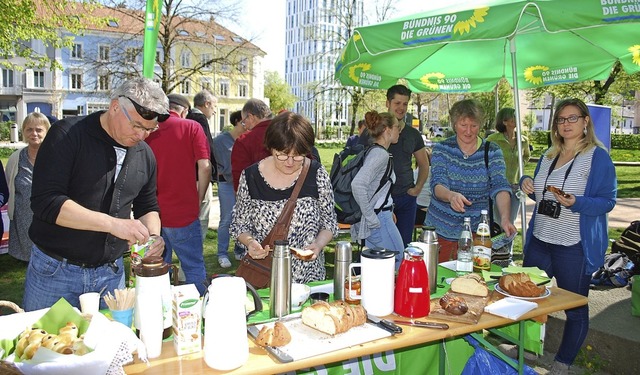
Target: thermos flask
[
  {"x": 341, "y": 269},
  {"x": 431, "y": 255},
  {"x": 280, "y": 292}
]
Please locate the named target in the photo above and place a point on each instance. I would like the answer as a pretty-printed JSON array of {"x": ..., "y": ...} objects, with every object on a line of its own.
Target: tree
[
  {"x": 278, "y": 92},
  {"x": 24, "y": 21}
]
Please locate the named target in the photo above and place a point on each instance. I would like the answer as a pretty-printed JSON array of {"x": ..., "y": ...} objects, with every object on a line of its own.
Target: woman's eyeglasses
[
  {"x": 283, "y": 157},
  {"x": 146, "y": 113},
  {"x": 571, "y": 119}
]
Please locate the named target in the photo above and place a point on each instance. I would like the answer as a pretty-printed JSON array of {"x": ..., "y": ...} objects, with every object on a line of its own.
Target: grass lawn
[{"x": 12, "y": 271}]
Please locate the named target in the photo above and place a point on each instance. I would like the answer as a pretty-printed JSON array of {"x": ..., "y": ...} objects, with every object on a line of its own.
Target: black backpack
[
  {"x": 616, "y": 271},
  {"x": 629, "y": 243},
  {"x": 346, "y": 164}
]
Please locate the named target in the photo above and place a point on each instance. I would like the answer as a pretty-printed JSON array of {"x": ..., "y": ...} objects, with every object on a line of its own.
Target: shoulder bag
[{"x": 257, "y": 272}]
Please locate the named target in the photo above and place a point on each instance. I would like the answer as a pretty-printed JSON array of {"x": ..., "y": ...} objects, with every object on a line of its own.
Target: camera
[{"x": 549, "y": 208}]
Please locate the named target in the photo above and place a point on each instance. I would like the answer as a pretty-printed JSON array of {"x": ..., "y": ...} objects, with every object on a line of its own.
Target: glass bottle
[
  {"x": 482, "y": 244},
  {"x": 464, "y": 263}
]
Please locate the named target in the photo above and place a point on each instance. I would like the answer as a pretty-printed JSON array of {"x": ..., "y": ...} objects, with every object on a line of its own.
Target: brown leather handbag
[{"x": 257, "y": 272}]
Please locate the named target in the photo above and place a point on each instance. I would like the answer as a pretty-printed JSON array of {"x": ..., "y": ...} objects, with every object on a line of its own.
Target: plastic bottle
[
  {"x": 464, "y": 263},
  {"x": 482, "y": 244}
]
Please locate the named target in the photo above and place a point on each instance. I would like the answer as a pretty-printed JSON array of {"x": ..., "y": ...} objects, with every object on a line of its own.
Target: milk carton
[{"x": 187, "y": 309}]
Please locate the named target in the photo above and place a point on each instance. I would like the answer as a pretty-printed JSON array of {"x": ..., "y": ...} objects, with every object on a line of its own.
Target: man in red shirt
[
  {"x": 249, "y": 147},
  {"x": 178, "y": 145}
]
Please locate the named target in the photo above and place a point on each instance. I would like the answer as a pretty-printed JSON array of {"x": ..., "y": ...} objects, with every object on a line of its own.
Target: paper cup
[
  {"x": 123, "y": 316},
  {"x": 90, "y": 303}
]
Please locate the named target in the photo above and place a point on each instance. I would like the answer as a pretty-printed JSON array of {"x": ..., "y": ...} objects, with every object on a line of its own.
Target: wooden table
[{"x": 260, "y": 362}]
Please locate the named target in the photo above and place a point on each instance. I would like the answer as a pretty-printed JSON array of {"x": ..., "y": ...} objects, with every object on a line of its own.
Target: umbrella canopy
[{"x": 469, "y": 47}]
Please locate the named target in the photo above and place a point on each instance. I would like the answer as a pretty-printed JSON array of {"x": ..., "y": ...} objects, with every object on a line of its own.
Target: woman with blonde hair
[
  {"x": 371, "y": 187},
  {"x": 20, "y": 174},
  {"x": 574, "y": 187}
]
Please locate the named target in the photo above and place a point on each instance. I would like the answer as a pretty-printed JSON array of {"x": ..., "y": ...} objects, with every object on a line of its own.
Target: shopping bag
[{"x": 483, "y": 362}]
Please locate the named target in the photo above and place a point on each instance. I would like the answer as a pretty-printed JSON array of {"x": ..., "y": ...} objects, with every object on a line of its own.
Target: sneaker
[
  {"x": 559, "y": 368},
  {"x": 239, "y": 256},
  {"x": 511, "y": 351},
  {"x": 224, "y": 262}
]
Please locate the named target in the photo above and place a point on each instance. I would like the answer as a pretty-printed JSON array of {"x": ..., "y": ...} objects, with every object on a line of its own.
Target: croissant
[
  {"x": 30, "y": 350},
  {"x": 22, "y": 343},
  {"x": 70, "y": 329}
]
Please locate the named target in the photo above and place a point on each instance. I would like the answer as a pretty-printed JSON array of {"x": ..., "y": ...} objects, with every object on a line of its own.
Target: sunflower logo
[
  {"x": 635, "y": 53},
  {"x": 531, "y": 74},
  {"x": 466, "y": 25},
  {"x": 352, "y": 71},
  {"x": 426, "y": 80}
]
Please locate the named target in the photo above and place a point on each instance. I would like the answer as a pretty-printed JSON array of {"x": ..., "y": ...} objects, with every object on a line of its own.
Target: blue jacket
[{"x": 599, "y": 198}]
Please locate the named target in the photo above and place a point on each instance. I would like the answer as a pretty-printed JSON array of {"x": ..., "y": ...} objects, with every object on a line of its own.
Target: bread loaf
[
  {"x": 520, "y": 285},
  {"x": 277, "y": 336},
  {"x": 471, "y": 284},
  {"x": 333, "y": 318},
  {"x": 453, "y": 304}
]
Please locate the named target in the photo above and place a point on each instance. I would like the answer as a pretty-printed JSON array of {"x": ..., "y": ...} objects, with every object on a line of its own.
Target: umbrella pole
[{"x": 516, "y": 100}]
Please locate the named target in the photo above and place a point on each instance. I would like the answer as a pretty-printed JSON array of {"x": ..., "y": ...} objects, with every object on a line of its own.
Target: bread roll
[
  {"x": 277, "y": 336},
  {"x": 302, "y": 254},
  {"x": 453, "y": 304},
  {"x": 333, "y": 318},
  {"x": 70, "y": 329},
  {"x": 520, "y": 285},
  {"x": 471, "y": 284}
]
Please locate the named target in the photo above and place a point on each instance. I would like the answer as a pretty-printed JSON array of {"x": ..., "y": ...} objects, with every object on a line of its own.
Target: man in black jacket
[{"x": 205, "y": 105}]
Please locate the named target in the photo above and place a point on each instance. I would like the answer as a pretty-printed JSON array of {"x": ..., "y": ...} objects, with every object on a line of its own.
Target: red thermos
[{"x": 412, "y": 298}]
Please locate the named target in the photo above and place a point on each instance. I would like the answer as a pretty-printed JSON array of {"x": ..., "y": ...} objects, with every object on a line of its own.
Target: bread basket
[{"x": 12, "y": 306}]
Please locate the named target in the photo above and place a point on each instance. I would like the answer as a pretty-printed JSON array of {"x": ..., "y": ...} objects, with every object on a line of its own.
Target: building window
[
  {"x": 131, "y": 55},
  {"x": 243, "y": 65},
  {"x": 38, "y": 79},
  {"x": 206, "y": 60},
  {"x": 224, "y": 89},
  {"x": 103, "y": 82},
  {"x": 76, "y": 51},
  {"x": 185, "y": 59},
  {"x": 185, "y": 87},
  {"x": 206, "y": 84},
  {"x": 243, "y": 90},
  {"x": 7, "y": 78},
  {"x": 225, "y": 67},
  {"x": 76, "y": 81},
  {"x": 103, "y": 53}
]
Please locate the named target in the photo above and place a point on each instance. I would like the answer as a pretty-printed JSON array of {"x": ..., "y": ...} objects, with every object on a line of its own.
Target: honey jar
[{"x": 353, "y": 291}]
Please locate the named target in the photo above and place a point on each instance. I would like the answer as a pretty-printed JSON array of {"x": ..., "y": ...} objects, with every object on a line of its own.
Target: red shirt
[
  {"x": 177, "y": 145},
  {"x": 248, "y": 149}
]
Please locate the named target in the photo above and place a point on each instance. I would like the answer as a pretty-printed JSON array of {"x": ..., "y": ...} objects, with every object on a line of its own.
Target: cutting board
[
  {"x": 308, "y": 342},
  {"x": 476, "y": 308}
]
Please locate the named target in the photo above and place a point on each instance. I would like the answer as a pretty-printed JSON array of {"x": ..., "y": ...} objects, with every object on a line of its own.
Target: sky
[{"x": 263, "y": 22}]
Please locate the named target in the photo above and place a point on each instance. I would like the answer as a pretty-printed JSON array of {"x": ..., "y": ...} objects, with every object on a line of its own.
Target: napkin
[
  {"x": 536, "y": 274},
  {"x": 510, "y": 308}
]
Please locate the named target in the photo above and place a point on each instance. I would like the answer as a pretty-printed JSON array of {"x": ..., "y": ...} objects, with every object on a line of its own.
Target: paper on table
[
  {"x": 510, "y": 308},
  {"x": 449, "y": 265}
]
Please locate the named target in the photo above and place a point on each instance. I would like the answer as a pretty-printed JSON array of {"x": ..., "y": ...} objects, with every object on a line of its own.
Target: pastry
[
  {"x": 554, "y": 189},
  {"x": 453, "y": 304}
]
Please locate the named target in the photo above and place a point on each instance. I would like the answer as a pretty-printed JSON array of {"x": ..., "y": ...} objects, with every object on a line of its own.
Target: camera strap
[{"x": 566, "y": 174}]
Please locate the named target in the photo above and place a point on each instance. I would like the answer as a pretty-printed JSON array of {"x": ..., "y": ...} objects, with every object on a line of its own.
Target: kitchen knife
[
  {"x": 419, "y": 323},
  {"x": 384, "y": 324}
]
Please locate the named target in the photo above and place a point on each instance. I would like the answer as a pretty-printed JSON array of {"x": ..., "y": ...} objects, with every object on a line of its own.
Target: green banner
[{"x": 151, "y": 28}]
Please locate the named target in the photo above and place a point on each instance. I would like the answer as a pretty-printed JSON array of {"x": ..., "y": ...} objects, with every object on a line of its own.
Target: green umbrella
[{"x": 469, "y": 48}]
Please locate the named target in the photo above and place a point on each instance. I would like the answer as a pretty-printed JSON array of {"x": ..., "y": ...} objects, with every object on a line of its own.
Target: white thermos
[{"x": 377, "y": 280}]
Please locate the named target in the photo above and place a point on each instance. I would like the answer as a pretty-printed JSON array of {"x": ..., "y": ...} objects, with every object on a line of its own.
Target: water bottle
[
  {"x": 341, "y": 269},
  {"x": 280, "y": 292},
  {"x": 464, "y": 263}
]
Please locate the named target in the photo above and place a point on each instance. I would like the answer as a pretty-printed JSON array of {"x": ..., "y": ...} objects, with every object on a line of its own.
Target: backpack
[
  {"x": 616, "y": 271},
  {"x": 346, "y": 165},
  {"x": 629, "y": 243}
]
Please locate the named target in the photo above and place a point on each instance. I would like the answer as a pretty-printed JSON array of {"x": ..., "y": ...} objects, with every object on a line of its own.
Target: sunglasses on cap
[{"x": 146, "y": 113}]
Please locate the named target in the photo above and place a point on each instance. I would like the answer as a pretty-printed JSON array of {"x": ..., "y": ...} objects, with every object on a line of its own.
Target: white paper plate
[{"x": 546, "y": 294}]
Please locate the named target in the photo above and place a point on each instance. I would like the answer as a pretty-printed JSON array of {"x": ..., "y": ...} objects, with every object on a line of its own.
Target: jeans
[
  {"x": 47, "y": 280},
  {"x": 186, "y": 242},
  {"x": 227, "y": 199},
  {"x": 405, "y": 211},
  {"x": 386, "y": 236},
  {"x": 567, "y": 265}
]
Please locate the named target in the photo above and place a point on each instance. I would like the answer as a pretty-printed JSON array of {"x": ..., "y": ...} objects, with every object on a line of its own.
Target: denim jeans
[
  {"x": 47, "y": 280},
  {"x": 227, "y": 199},
  {"x": 567, "y": 265},
  {"x": 405, "y": 207},
  {"x": 387, "y": 236},
  {"x": 186, "y": 242}
]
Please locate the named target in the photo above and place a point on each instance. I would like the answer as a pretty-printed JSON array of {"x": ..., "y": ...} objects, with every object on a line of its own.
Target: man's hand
[
  {"x": 131, "y": 230},
  {"x": 157, "y": 247}
]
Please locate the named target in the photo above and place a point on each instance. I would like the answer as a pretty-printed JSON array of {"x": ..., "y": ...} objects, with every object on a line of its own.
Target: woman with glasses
[
  {"x": 20, "y": 174},
  {"x": 372, "y": 187},
  {"x": 574, "y": 188},
  {"x": 266, "y": 186}
]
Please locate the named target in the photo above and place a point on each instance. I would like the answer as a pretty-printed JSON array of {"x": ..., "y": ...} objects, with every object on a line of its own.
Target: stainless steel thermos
[
  {"x": 341, "y": 269},
  {"x": 280, "y": 292},
  {"x": 431, "y": 253}
]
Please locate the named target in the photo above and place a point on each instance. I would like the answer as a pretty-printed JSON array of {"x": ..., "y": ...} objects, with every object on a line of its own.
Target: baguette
[
  {"x": 334, "y": 318},
  {"x": 470, "y": 284}
]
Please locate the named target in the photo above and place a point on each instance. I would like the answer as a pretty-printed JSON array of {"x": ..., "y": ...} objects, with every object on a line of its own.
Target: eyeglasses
[
  {"x": 133, "y": 123},
  {"x": 571, "y": 119},
  {"x": 283, "y": 157},
  {"x": 244, "y": 120},
  {"x": 146, "y": 113}
]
